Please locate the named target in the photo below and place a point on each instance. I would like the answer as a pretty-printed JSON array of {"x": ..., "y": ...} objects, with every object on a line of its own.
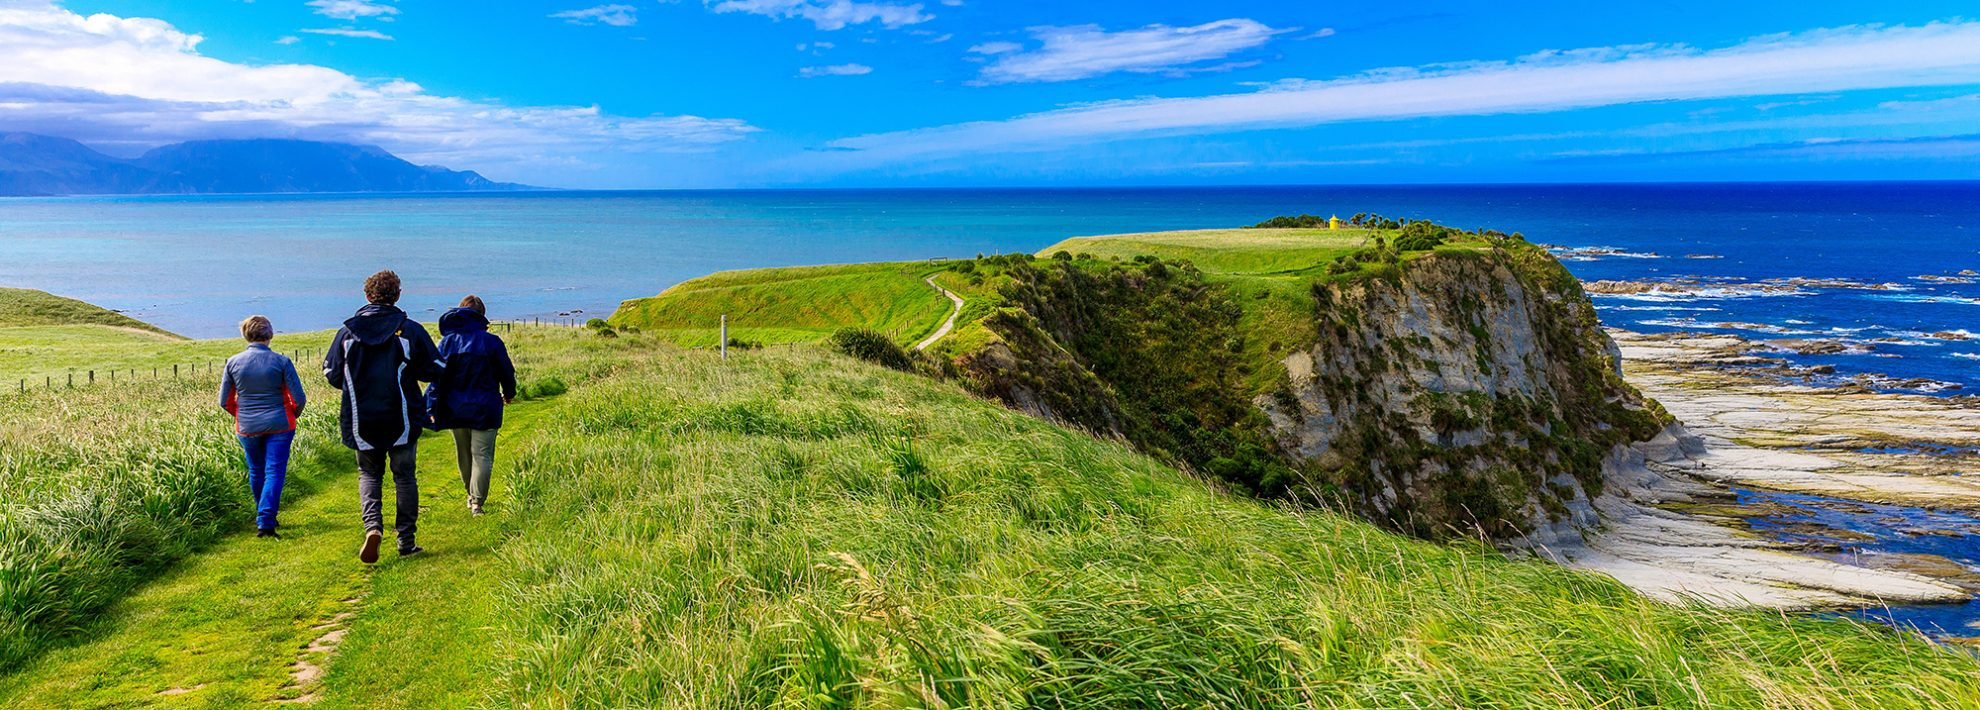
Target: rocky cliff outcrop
[
  {"x": 1470, "y": 391},
  {"x": 1453, "y": 392}
]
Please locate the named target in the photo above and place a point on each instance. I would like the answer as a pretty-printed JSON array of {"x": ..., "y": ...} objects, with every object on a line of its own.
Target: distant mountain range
[{"x": 33, "y": 164}]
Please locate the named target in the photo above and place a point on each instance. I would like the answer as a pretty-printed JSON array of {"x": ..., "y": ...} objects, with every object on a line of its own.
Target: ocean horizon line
[{"x": 1167, "y": 187}]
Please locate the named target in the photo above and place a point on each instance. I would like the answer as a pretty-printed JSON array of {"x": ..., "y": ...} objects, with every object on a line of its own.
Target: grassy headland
[
  {"x": 797, "y": 304},
  {"x": 1161, "y": 338},
  {"x": 44, "y": 338},
  {"x": 793, "y": 528},
  {"x": 26, "y": 307}
]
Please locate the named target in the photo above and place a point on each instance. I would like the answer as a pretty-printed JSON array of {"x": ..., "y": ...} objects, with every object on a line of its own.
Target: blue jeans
[{"x": 268, "y": 468}]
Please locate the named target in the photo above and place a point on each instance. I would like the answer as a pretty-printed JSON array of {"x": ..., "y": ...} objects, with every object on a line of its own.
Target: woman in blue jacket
[
  {"x": 468, "y": 399},
  {"x": 262, "y": 390}
]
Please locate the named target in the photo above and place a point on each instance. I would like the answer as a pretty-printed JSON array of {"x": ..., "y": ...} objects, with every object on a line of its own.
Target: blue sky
[{"x": 720, "y": 93}]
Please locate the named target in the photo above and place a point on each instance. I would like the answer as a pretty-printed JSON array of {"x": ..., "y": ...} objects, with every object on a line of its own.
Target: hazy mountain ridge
[{"x": 32, "y": 164}]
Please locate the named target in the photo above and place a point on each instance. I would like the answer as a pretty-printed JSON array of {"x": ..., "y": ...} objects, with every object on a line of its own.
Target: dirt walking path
[{"x": 947, "y": 325}]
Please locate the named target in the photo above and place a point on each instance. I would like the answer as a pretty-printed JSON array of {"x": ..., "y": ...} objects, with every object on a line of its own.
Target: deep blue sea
[{"x": 196, "y": 265}]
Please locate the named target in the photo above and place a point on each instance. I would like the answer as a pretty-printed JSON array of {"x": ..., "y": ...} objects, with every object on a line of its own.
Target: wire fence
[
  {"x": 195, "y": 369},
  {"x": 210, "y": 369}
]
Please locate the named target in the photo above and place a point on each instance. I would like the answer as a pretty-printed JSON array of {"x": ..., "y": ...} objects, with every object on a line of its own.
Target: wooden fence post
[{"x": 725, "y": 336}]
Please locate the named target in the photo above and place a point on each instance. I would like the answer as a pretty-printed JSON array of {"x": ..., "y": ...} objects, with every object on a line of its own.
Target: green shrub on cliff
[
  {"x": 1149, "y": 350},
  {"x": 1422, "y": 236},
  {"x": 872, "y": 346}
]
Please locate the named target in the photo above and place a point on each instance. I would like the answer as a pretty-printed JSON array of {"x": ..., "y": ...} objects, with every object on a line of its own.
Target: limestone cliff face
[
  {"x": 1468, "y": 392},
  {"x": 1458, "y": 392}
]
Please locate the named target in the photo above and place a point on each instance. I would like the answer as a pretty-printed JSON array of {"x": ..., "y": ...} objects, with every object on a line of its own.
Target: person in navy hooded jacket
[
  {"x": 378, "y": 360},
  {"x": 262, "y": 390},
  {"x": 468, "y": 399}
]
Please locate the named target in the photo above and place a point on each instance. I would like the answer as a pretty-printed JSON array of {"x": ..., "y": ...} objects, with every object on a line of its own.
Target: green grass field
[
  {"x": 795, "y": 529},
  {"x": 1227, "y": 251},
  {"x": 794, "y": 304},
  {"x": 806, "y": 304}
]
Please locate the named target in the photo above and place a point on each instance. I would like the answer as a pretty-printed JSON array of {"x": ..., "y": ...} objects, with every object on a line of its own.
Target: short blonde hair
[{"x": 257, "y": 329}]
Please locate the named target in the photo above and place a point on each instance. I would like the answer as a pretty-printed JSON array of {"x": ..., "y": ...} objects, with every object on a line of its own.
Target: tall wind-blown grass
[
  {"x": 102, "y": 486},
  {"x": 795, "y": 529}
]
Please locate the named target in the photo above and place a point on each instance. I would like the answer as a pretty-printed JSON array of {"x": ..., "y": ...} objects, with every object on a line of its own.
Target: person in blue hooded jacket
[
  {"x": 261, "y": 389},
  {"x": 468, "y": 399},
  {"x": 378, "y": 360}
]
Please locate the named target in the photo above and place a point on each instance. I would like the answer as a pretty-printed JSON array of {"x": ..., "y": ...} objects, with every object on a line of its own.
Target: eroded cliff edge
[
  {"x": 1463, "y": 390},
  {"x": 1472, "y": 388},
  {"x": 1455, "y": 391}
]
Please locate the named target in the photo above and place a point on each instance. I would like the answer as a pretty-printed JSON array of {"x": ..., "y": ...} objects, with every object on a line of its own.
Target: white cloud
[
  {"x": 1839, "y": 59},
  {"x": 288, "y": 39},
  {"x": 135, "y": 82},
  {"x": 996, "y": 48},
  {"x": 353, "y": 9},
  {"x": 1069, "y": 53},
  {"x": 835, "y": 70},
  {"x": 614, "y": 15},
  {"x": 829, "y": 14},
  {"x": 348, "y": 32}
]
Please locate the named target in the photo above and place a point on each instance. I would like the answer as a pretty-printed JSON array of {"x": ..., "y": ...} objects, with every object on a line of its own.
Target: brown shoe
[{"x": 369, "y": 553}]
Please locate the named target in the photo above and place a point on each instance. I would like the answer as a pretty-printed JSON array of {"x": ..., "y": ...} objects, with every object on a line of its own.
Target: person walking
[
  {"x": 468, "y": 399},
  {"x": 261, "y": 388},
  {"x": 378, "y": 360}
]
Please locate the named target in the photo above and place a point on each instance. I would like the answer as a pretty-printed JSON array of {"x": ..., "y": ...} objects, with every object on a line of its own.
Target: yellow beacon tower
[{"x": 1334, "y": 222}]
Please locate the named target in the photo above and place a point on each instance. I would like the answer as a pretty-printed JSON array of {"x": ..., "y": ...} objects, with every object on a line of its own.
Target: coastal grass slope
[
  {"x": 795, "y": 304},
  {"x": 793, "y": 528},
  {"x": 27, "y": 307},
  {"x": 44, "y": 338},
  {"x": 808, "y": 303},
  {"x": 1227, "y": 251}
]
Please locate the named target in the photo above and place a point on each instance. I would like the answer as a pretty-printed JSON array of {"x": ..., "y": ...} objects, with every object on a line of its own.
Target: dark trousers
[{"x": 405, "y": 490}]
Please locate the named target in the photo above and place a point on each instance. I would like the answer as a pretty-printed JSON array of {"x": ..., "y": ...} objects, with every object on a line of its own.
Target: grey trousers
[
  {"x": 405, "y": 490},
  {"x": 474, "y": 452}
]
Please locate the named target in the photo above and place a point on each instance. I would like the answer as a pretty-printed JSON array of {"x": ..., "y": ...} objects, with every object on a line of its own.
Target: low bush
[
  {"x": 872, "y": 346},
  {"x": 542, "y": 387}
]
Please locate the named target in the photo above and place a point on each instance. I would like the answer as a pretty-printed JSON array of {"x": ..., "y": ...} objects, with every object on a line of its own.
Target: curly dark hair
[{"x": 382, "y": 288}]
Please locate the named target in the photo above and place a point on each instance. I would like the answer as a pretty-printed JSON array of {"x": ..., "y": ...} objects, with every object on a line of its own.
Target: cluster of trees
[
  {"x": 1305, "y": 221},
  {"x": 1369, "y": 220},
  {"x": 1424, "y": 236},
  {"x": 1416, "y": 234}
]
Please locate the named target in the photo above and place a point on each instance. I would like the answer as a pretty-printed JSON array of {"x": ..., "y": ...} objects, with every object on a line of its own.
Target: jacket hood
[
  {"x": 463, "y": 320},
  {"x": 376, "y": 323}
]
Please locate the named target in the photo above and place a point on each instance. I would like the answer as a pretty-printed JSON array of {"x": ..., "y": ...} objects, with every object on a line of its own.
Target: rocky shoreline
[{"x": 1674, "y": 525}]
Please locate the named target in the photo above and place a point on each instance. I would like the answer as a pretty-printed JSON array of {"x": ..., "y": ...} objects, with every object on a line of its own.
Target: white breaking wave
[
  {"x": 1702, "y": 293},
  {"x": 1927, "y": 298},
  {"x": 1664, "y": 309}
]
